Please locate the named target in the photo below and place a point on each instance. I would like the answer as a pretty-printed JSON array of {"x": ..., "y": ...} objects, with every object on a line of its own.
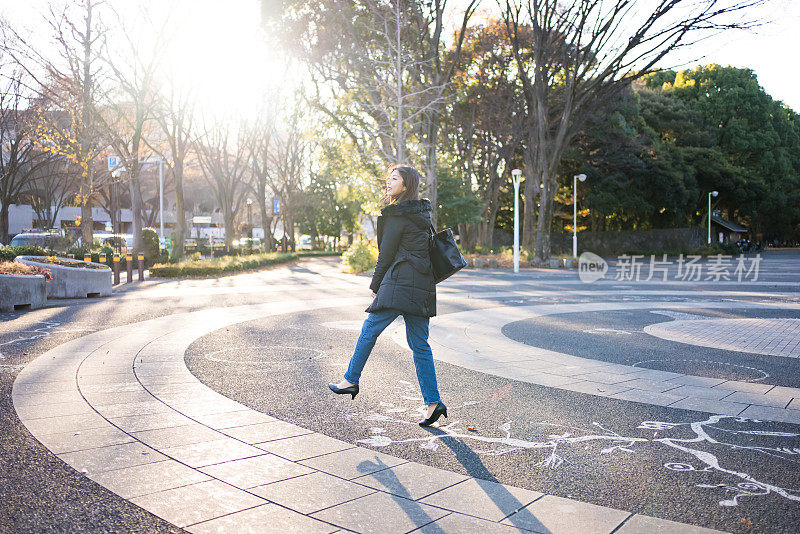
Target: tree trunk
[
  {"x": 87, "y": 223},
  {"x": 228, "y": 216},
  {"x": 180, "y": 213},
  {"x": 530, "y": 193},
  {"x": 430, "y": 167},
  {"x": 4, "y": 210},
  {"x": 136, "y": 211}
]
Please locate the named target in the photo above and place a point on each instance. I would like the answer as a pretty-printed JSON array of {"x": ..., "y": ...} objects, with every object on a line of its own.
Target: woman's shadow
[{"x": 515, "y": 511}]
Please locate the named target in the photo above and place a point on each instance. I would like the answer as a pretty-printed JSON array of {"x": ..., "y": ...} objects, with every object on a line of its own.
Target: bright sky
[{"x": 218, "y": 49}]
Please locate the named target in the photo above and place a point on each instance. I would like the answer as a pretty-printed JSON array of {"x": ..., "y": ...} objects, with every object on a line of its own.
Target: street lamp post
[
  {"x": 581, "y": 177},
  {"x": 515, "y": 176},
  {"x": 249, "y": 215},
  {"x": 161, "y": 197},
  {"x": 710, "y": 194}
]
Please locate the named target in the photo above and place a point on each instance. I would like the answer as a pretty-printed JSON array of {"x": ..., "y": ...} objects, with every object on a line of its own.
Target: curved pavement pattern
[
  {"x": 473, "y": 339},
  {"x": 120, "y": 406}
]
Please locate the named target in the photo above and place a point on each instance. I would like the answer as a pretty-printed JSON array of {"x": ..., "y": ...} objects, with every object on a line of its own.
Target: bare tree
[
  {"x": 433, "y": 78},
  {"x": 485, "y": 123},
  {"x": 78, "y": 32},
  {"x": 290, "y": 156},
  {"x": 129, "y": 104},
  {"x": 20, "y": 158},
  {"x": 262, "y": 134},
  {"x": 52, "y": 184},
  {"x": 572, "y": 57},
  {"x": 175, "y": 116},
  {"x": 224, "y": 152},
  {"x": 381, "y": 74}
]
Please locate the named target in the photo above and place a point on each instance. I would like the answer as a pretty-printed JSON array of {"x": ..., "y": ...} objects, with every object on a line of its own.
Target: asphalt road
[{"x": 604, "y": 451}]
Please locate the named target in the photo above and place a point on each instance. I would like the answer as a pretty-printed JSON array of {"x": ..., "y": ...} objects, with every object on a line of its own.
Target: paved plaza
[{"x": 618, "y": 406}]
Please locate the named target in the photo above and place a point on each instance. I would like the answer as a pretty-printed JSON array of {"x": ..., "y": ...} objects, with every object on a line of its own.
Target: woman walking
[{"x": 402, "y": 285}]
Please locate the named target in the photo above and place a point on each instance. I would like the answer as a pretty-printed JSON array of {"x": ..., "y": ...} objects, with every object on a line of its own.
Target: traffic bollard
[
  {"x": 116, "y": 268},
  {"x": 141, "y": 267},
  {"x": 129, "y": 267}
]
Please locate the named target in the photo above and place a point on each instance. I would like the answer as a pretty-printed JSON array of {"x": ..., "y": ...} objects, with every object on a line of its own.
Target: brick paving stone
[
  {"x": 249, "y": 472},
  {"x": 312, "y": 493},
  {"x": 143, "y": 479},
  {"x": 262, "y": 432},
  {"x": 352, "y": 463},
  {"x": 211, "y": 452},
  {"x": 303, "y": 447},
  {"x": 197, "y": 502},
  {"x": 464, "y": 523},
  {"x": 379, "y": 513},
  {"x": 557, "y": 515},
  {"x": 78, "y": 440},
  {"x": 263, "y": 519},
  {"x": 710, "y": 406},
  {"x": 111, "y": 457},
  {"x": 162, "y": 438},
  {"x": 483, "y": 498},
  {"x": 411, "y": 480}
]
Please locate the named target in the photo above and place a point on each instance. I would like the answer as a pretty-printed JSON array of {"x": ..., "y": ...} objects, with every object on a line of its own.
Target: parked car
[
  {"x": 304, "y": 243},
  {"x": 49, "y": 240}
]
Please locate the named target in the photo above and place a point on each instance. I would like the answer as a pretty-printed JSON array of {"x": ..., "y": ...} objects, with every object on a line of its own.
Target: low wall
[
  {"x": 22, "y": 291},
  {"x": 617, "y": 243},
  {"x": 74, "y": 282}
]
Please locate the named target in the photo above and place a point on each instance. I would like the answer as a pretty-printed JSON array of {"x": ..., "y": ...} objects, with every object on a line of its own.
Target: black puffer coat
[{"x": 403, "y": 279}]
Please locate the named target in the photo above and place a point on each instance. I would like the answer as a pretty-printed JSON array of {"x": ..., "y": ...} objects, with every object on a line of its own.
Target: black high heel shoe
[
  {"x": 350, "y": 390},
  {"x": 440, "y": 410}
]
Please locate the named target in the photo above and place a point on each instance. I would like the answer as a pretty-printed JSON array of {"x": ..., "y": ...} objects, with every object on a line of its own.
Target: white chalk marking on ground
[
  {"x": 606, "y": 331},
  {"x": 736, "y": 484}
]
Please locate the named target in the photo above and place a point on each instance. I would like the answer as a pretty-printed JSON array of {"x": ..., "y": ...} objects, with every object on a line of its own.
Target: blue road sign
[{"x": 276, "y": 206}]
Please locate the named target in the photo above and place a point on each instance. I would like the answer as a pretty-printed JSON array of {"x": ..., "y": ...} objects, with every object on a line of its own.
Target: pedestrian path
[
  {"x": 474, "y": 339},
  {"x": 121, "y": 407}
]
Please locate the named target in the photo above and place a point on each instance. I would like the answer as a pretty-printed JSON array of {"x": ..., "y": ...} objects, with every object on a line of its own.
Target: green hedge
[
  {"x": 228, "y": 264},
  {"x": 9, "y": 253}
]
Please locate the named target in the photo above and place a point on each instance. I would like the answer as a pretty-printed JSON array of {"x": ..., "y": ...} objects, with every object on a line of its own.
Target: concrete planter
[
  {"x": 73, "y": 282},
  {"x": 571, "y": 264},
  {"x": 479, "y": 263},
  {"x": 22, "y": 292},
  {"x": 493, "y": 263},
  {"x": 555, "y": 263}
]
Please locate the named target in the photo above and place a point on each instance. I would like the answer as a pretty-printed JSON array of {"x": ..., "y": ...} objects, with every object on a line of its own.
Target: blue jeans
[{"x": 417, "y": 337}]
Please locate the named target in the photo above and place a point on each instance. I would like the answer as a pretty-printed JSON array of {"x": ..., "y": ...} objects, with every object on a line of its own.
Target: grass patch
[{"x": 228, "y": 264}]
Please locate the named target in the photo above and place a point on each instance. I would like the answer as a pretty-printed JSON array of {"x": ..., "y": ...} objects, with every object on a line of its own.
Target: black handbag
[{"x": 446, "y": 259}]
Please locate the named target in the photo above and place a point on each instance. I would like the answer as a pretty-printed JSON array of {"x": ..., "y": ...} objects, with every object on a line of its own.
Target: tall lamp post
[
  {"x": 515, "y": 176},
  {"x": 710, "y": 194},
  {"x": 249, "y": 215},
  {"x": 161, "y": 198},
  {"x": 581, "y": 177}
]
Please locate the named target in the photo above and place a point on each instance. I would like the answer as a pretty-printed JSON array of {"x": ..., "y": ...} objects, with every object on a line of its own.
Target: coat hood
[{"x": 416, "y": 210}]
